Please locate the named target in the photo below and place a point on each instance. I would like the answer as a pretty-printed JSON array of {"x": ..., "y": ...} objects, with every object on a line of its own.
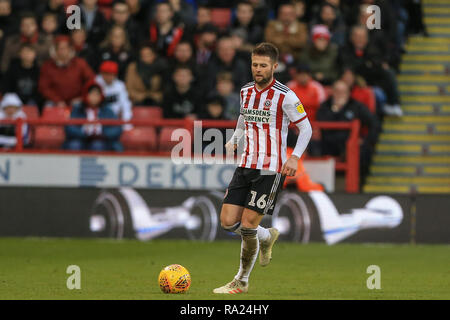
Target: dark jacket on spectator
[
  {"x": 335, "y": 140},
  {"x": 165, "y": 44},
  {"x": 24, "y": 82},
  {"x": 145, "y": 83},
  {"x": 64, "y": 83},
  {"x": 179, "y": 105},
  {"x": 123, "y": 58},
  {"x": 8, "y": 26},
  {"x": 88, "y": 53},
  {"x": 239, "y": 69},
  {"x": 97, "y": 32},
  {"x": 60, "y": 13},
  {"x": 367, "y": 63},
  {"x": 254, "y": 33},
  {"x": 11, "y": 50},
  {"x": 325, "y": 62}
]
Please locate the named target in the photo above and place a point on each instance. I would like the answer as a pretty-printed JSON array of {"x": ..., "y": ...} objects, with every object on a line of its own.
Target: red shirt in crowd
[{"x": 64, "y": 83}]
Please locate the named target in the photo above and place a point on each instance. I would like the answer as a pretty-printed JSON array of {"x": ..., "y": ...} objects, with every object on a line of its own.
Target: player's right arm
[{"x": 231, "y": 145}]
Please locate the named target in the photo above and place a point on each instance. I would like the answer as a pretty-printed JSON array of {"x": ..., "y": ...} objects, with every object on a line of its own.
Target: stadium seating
[
  {"x": 140, "y": 139},
  {"x": 48, "y": 137},
  {"x": 32, "y": 112},
  {"x": 165, "y": 141},
  {"x": 51, "y": 137},
  {"x": 51, "y": 113},
  {"x": 147, "y": 113}
]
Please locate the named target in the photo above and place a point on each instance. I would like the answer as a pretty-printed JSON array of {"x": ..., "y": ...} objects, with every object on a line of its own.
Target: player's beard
[{"x": 263, "y": 81}]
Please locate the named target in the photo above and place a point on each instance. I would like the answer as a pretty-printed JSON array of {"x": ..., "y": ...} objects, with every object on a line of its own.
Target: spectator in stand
[
  {"x": 261, "y": 12},
  {"x": 115, "y": 92},
  {"x": 322, "y": 56},
  {"x": 380, "y": 39},
  {"x": 164, "y": 34},
  {"x": 343, "y": 9},
  {"x": 29, "y": 33},
  {"x": 205, "y": 44},
  {"x": 288, "y": 34},
  {"x": 82, "y": 48},
  {"x": 329, "y": 16},
  {"x": 225, "y": 89},
  {"x": 181, "y": 100},
  {"x": 116, "y": 47},
  {"x": 359, "y": 89},
  {"x": 49, "y": 26},
  {"x": 140, "y": 11},
  {"x": 23, "y": 5},
  {"x": 121, "y": 16},
  {"x": 22, "y": 76},
  {"x": 95, "y": 137},
  {"x": 341, "y": 107},
  {"x": 55, "y": 7},
  {"x": 243, "y": 50},
  {"x": 300, "y": 10},
  {"x": 63, "y": 76},
  {"x": 310, "y": 92},
  {"x": 183, "y": 12},
  {"x": 145, "y": 77},
  {"x": 203, "y": 20},
  {"x": 184, "y": 54},
  {"x": 226, "y": 59},
  {"x": 367, "y": 60},
  {"x": 388, "y": 21},
  {"x": 94, "y": 21},
  {"x": 253, "y": 33},
  {"x": 11, "y": 109},
  {"x": 8, "y": 25},
  {"x": 214, "y": 109},
  {"x": 415, "y": 24}
]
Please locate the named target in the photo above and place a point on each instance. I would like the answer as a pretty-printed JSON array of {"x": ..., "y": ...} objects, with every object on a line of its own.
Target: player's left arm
[{"x": 293, "y": 108}]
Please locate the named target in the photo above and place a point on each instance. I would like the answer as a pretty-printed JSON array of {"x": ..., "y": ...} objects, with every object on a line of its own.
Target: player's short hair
[{"x": 266, "y": 49}]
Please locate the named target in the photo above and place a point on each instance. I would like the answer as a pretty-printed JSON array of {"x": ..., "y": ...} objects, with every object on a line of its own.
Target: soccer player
[{"x": 267, "y": 108}]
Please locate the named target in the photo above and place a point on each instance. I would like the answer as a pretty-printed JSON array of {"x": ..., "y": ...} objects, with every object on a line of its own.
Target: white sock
[
  {"x": 263, "y": 233},
  {"x": 249, "y": 252}
]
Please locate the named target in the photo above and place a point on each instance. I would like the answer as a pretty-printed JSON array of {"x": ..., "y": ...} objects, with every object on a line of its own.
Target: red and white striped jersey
[{"x": 267, "y": 115}]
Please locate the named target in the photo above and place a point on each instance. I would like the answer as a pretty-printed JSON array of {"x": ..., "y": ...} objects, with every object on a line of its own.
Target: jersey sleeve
[
  {"x": 240, "y": 102},
  {"x": 293, "y": 108}
]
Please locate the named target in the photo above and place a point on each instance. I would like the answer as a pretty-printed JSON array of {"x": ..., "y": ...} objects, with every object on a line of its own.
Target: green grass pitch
[{"x": 34, "y": 268}]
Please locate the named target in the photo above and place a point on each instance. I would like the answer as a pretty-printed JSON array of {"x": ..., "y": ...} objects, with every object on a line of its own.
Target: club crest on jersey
[
  {"x": 299, "y": 107},
  {"x": 267, "y": 104}
]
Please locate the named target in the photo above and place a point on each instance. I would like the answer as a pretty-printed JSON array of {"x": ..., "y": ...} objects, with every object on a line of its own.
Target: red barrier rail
[{"x": 350, "y": 165}]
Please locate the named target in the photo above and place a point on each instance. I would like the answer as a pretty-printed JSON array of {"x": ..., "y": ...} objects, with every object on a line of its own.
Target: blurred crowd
[{"x": 192, "y": 57}]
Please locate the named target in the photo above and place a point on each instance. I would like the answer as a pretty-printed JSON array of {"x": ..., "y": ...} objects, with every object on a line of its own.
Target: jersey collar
[{"x": 266, "y": 88}]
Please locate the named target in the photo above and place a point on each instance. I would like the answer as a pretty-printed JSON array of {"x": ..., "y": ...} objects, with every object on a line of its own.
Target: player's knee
[
  {"x": 250, "y": 221},
  {"x": 226, "y": 220},
  {"x": 232, "y": 227}
]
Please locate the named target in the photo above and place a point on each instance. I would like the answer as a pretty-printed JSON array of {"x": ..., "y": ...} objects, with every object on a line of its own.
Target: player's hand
[
  {"x": 290, "y": 167},
  {"x": 230, "y": 147}
]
